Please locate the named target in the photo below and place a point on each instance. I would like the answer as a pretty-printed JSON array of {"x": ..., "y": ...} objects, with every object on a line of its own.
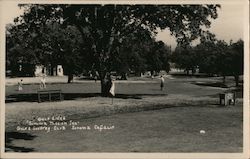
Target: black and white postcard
[{"x": 124, "y": 79}]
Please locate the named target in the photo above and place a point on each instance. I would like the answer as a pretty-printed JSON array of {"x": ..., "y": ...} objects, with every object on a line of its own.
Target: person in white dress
[
  {"x": 112, "y": 89},
  {"x": 162, "y": 83},
  {"x": 20, "y": 85},
  {"x": 43, "y": 83}
]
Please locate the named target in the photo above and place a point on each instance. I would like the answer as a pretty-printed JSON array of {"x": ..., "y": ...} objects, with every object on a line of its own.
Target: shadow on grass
[
  {"x": 211, "y": 84},
  {"x": 107, "y": 111},
  {"x": 10, "y": 136},
  {"x": 33, "y": 97},
  {"x": 237, "y": 90},
  {"x": 29, "y": 97},
  {"x": 182, "y": 74},
  {"x": 72, "y": 96}
]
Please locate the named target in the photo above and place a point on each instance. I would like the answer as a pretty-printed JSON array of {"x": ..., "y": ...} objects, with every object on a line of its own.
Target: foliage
[
  {"x": 49, "y": 45},
  {"x": 105, "y": 28},
  {"x": 21, "y": 59},
  {"x": 212, "y": 56},
  {"x": 185, "y": 58},
  {"x": 158, "y": 57}
]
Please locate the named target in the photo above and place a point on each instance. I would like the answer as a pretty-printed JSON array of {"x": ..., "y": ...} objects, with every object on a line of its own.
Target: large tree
[
  {"x": 132, "y": 53},
  {"x": 234, "y": 60},
  {"x": 21, "y": 58},
  {"x": 104, "y": 27},
  {"x": 185, "y": 58},
  {"x": 157, "y": 58},
  {"x": 218, "y": 57},
  {"x": 49, "y": 45},
  {"x": 207, "y": 54}
]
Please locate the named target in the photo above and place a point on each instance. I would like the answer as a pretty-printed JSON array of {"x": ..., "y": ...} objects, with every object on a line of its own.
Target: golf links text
[{"x": 59, "y": 123}]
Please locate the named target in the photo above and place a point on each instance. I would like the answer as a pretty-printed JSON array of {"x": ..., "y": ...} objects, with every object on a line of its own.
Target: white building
[{"x": 41, "y": 70}]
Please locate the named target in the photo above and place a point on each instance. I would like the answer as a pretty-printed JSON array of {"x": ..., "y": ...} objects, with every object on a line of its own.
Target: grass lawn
[
  {"x": 172, "y": 122},
  {"x": 175, "y": 129}
]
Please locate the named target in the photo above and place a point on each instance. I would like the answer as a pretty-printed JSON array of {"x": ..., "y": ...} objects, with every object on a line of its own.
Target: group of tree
[
  {"x": 103, "y": 38},
  {"x": 51, "y": 45},
  {"x": 213, "y": 57}
]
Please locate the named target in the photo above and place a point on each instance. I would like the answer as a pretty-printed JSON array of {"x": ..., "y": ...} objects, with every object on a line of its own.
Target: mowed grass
[
  {"x": 175, "y": 129},
  {"x": 183, "y": 85},
  {"x": 189, "y": 108}
]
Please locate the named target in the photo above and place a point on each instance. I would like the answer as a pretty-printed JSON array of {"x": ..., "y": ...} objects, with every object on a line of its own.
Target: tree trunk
[
  {"x": 236, "y": 77},
  {"x": 52, "y": 70},
  {"x": 152, "y": 73},
  {"x": 224, "y": 79},
  {"x": 124, "y": 76},
  {"x": 105, "y": 86},
  {"x": 70, "y": 78},
  {"x": 193, "y": 71}
]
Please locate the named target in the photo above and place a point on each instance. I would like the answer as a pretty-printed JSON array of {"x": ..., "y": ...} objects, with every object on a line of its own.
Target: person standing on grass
[
  {"x": 20, "y": 85},
  {"x": 112, "y": 88},
  {"x": 162, "y": 83},
  {"x": 43, "y": 83}
]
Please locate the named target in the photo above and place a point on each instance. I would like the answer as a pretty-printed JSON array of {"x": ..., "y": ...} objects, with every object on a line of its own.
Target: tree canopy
[
  {"x": 105, "y": 29},
  {"x": 213, "y": 57}
]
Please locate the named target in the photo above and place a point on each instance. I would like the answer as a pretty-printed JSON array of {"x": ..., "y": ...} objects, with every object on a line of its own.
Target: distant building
[
  {"x": 59, "y": 71},
  {"x": 41, "y": 69}
]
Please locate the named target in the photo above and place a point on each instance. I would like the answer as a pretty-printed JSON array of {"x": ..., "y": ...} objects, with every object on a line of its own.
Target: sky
[{"x": 228, "y": 25}]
